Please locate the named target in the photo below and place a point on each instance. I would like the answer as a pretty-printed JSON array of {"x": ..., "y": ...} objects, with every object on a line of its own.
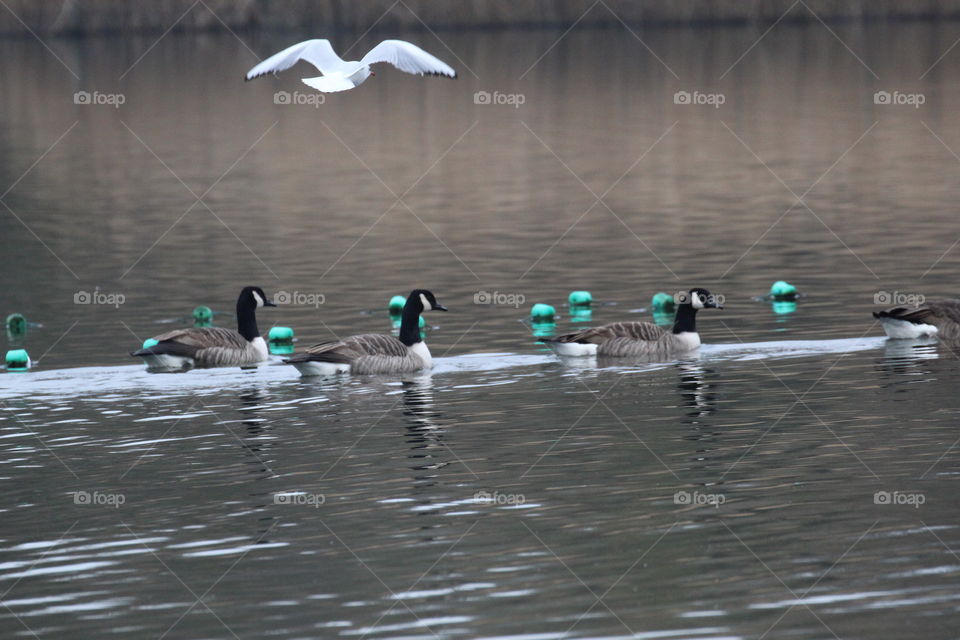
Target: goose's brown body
[{"x": 914, "y": 321}]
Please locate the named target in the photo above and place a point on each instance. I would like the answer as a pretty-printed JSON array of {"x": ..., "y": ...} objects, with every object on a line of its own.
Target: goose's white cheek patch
[
  {"x": 426, "y": 303},
  {"x": 256, "y": 296},
  {"x": 696, "y": 300}
]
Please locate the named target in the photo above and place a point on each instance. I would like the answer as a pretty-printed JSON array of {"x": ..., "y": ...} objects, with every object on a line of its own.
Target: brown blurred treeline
[{"x": 64, "y": 17}]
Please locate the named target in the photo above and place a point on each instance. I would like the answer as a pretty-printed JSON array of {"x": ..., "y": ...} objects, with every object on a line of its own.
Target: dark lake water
[{"x": 793, "y": 480}]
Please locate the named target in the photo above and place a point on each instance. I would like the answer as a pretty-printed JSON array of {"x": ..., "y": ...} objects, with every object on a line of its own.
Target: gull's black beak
[
  {"x": 269, "y": 303},
  {"x": 439, "y": 307}
]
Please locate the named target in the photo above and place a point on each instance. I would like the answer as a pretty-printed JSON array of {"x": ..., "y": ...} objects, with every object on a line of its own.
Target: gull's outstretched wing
[
  {"x": 319, "y": 53},
  {"x": 409, "y": 58}
]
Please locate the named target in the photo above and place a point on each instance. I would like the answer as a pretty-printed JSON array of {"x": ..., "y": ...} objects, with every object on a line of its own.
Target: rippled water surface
[{"x": 796, "y": 479}]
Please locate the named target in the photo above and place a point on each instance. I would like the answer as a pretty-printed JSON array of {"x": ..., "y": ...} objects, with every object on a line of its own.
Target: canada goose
[
  {"x": 372, "y": 352},
  {"x": 341, "y": 75},
  {"x": 940, "y": 318},
  {"x": 213, "y": 346},
  {"x": 640, "y": 338}
]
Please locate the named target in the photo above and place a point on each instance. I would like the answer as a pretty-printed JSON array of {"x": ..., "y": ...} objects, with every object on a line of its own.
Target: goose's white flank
[{"x": 341, "y": 75}]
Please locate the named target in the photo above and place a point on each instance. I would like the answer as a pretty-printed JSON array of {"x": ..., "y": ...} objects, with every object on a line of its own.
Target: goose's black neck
[
  {"x": 410, "y": 322},
  {"x": 686, "y": 319},
  {"x": 247, "y": 321}
]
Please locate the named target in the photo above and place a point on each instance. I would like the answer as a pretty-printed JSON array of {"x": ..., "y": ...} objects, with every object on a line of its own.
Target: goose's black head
[
  {"x": 418, "y": 301},
  {"x": 253, "y": 298},
  {"x": 423, "y": 300},
  {"x": 688, "y": 303}
]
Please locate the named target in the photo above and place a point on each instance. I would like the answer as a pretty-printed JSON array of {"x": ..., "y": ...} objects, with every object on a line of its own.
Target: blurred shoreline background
[{"x": 84, "y": 17}]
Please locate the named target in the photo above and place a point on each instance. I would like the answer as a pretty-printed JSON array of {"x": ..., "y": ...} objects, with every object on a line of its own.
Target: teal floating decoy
[
  {"x": 782, "y": 290},
  {"x": 280, "y": 334},
  {"x": 542, "y": 312},
  {"x": 280, "y": 341},
  {"x": 580, "y": 299},
  {"x": 202, "y": 316},
  {"x": 663, "y": 303},
  {"x": 16, "y": 325},
  {"x": 18, "y": 360},
  {"x": 396, "y": 305}
]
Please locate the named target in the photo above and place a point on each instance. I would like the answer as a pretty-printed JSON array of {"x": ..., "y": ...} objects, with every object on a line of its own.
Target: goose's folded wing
[
  {"x": 350, "y": 349},
  {"x": 630, "y": 330},
  {"x": 186, "y": 342},
  {"x": 318, "y": 52},
  {"x": 409, "y": 58},
  {"x": 206, "y": 337},
  {"x": 929, "y": 313}
]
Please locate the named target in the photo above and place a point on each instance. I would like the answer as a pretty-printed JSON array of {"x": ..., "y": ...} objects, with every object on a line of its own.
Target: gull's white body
[{"x": 341, "y": 75}]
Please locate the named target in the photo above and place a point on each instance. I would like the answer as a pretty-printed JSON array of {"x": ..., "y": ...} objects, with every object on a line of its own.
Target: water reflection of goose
[
  {"x": 423, "y": 429},
  {"x": 906, "y": 357},
  {"x": 696, "y": 394},
  {"x": 255, "y": 440}
]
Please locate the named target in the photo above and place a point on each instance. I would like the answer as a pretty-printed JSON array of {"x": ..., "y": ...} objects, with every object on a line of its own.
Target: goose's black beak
[
  {"x": 439, "y": 307},
  {"x": 712, "y": 305},
  {"x": 269, "y": 303}
]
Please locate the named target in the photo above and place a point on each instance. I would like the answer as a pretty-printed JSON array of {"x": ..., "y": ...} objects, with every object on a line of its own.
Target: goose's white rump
[{"x": 340, "y": 75}]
